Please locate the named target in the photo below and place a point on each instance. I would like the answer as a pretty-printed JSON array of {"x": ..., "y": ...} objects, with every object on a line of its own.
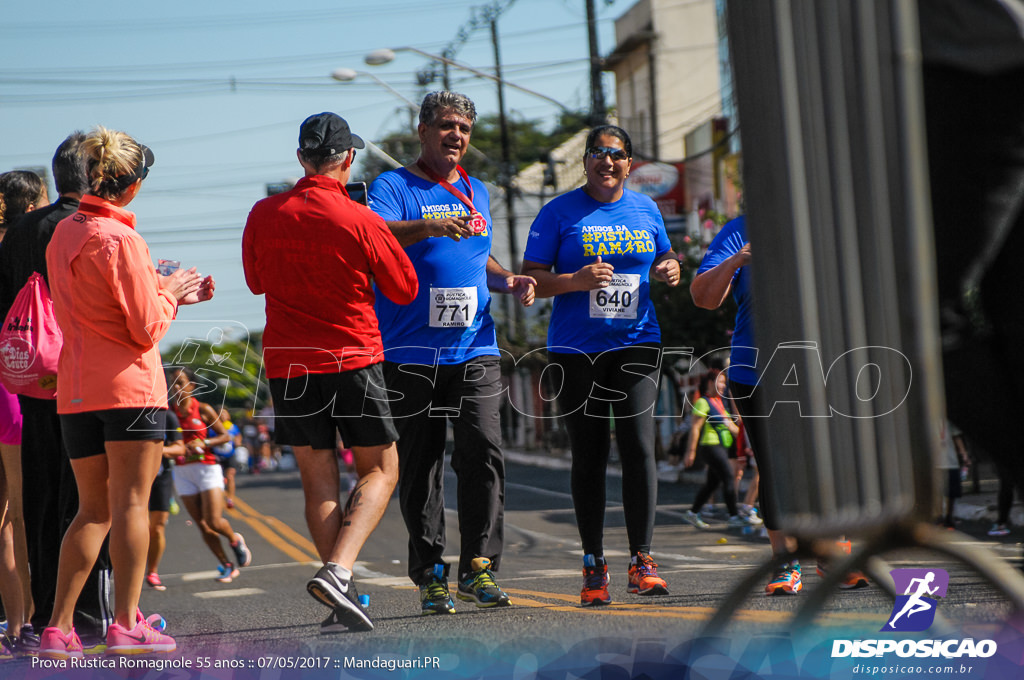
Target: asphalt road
[
  {"x": 266, "y": 612},
  {"x": 264, "y": 625}
]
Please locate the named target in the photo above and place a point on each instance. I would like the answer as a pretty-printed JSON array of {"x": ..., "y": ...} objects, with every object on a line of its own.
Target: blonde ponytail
[{"x": 109, "y": 154}]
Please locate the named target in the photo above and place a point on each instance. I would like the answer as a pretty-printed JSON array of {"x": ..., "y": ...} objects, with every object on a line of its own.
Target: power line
[
  {"x": 179, "y": 219},
  {"x": 317, "y": 82},
  {"x": 136, "y": 89},
  {"x": 480, "y": 18},
  {"x": 177, "y": 242},
  {"x": 223, "y": 21},
  {"x": 239, "y": 64}
]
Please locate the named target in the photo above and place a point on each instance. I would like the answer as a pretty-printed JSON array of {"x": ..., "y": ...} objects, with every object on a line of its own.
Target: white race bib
[
  {"x": 452, "y": 307},
  {"x": 619, "y": 300}
]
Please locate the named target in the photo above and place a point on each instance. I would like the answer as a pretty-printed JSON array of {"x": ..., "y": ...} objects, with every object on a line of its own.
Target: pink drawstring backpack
[{"x": 30, "y": 342}]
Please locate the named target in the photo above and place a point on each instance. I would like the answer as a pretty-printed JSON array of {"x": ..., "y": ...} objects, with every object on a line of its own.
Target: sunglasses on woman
[{"x": 601, "y": 152}]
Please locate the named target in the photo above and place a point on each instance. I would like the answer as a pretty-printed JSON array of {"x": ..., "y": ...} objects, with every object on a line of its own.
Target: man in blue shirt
[
  {"x": 724, "y": 269},
  {"x": 441, "y": 356}
]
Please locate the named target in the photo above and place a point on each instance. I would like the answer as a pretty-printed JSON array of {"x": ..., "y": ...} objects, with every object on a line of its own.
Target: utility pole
[
  {"x": 507, "y": 172},
  {"x": 597, "y": 106}
]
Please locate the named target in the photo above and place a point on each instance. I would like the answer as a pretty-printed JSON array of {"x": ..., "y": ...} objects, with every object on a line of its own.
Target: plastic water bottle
[{"x": 364, "y": 601}]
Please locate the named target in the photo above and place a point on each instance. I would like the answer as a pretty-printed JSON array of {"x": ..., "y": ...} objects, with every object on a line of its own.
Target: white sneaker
[
  {"x": 740, "y": 521},
  {"x": 694, "y": 518}
]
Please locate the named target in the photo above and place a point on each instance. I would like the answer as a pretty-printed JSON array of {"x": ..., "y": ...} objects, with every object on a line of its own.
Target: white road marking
[
  {"x": 388, "y": 581},
  {"x": 200, "y": 575},
  {"x": 730, "y": 549},
  {"x": 234, "y": 592}
]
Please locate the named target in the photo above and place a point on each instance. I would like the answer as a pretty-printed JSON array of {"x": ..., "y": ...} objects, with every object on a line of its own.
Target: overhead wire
[
  {"x": 333, "y": 57},
  {"x": 224, "y": 21}
]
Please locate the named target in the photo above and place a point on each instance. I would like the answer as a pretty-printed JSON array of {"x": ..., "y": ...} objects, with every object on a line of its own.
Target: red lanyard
[{"x": 434, "y": 177}]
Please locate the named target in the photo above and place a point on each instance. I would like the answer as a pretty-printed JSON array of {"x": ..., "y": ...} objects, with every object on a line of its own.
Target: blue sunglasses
[{"x": 601, "y": 152}]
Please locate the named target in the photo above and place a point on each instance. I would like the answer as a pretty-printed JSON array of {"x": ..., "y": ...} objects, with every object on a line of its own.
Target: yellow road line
[
  {"x": 521, "y": 601},
  {"x": 258, "y": 522},
  {"x": 552, "y": 596},
  {"x": 692, "y": 613},
  {"x": 291, "y": 534},
  {"x": 301, "y": 549}
]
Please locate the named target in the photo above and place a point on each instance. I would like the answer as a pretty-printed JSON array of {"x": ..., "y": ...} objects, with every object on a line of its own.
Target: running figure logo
[{"x": 914, "y": 610}]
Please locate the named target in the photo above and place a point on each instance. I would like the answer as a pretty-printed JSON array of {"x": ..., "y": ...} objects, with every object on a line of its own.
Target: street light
[
  {"x": 387, "y": 55},
  {"x": 347, "y": 75}
]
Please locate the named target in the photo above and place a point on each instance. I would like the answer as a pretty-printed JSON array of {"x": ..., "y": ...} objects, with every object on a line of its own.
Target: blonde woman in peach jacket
[{"x": 112, "y": 308}]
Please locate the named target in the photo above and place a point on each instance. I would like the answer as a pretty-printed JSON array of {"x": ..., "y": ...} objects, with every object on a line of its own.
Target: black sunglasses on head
[
  {"x": 141, "y": 171},
  {"x": 600, "y": 152}
]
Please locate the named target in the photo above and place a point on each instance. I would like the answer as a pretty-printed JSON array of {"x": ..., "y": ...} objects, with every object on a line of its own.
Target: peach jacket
[{"x": 111, "y": 309}]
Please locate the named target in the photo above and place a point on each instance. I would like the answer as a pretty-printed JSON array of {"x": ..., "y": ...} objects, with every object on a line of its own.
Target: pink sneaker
[
  {"x": 141, "y": 639},
  {"x": 56, "y": 645}
]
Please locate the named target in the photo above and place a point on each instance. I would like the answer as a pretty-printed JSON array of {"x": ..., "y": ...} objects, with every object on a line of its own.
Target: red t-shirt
[
  {"x": 316, "y": 254},
  {"x": 193, "y": 427}
]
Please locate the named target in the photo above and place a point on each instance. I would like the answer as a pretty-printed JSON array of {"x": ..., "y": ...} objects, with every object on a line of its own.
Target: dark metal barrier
[{"x": 836, "y": 189}]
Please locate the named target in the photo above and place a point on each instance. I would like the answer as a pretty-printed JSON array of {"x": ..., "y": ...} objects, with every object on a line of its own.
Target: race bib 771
[{"x": 452, "y": 307}]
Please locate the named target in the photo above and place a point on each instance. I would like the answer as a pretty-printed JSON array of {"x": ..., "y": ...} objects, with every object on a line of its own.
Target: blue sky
[{"x": 218, "y": 89}]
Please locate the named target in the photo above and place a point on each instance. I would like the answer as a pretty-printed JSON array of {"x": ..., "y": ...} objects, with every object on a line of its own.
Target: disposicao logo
[{"x": 914, "y": 610}]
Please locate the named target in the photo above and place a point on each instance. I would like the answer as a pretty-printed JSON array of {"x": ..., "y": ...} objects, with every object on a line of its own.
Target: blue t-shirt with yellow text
[
  {"x": 449, "y": 322},
  {"x": 571, "y": 232},
  {"x": 743, "y": 359}
]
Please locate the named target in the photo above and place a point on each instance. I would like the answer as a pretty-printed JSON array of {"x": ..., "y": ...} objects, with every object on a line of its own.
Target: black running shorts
[
  {"x": 310, "y": 410},
  {"x": 85, "y": 433},
  {"x": 163, "y": 490}
]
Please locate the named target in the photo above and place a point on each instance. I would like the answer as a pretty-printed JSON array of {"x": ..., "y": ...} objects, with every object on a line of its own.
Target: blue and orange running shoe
[
  {"x": 226, "y": 573},
  {"x": 242, "y": 552},
  {"x": 595, "y": 582},
  {"x": 786, "y": 580},
  {"x": 434, "y": 595},
  {"x": 850, "y": 581},
  {"x": 643, "y": 576},
  {"x": 478, "y": 586}
]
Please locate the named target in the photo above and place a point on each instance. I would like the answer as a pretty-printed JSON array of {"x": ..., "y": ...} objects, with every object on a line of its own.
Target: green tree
[
  {"x": 228, "y": 373},
  {"x": 528, "y": 143},
  {"x": 683, "y": 324}
]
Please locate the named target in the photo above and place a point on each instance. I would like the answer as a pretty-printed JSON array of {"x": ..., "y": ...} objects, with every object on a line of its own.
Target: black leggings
[
  {"x": 626, "y": 382},
  {"x": 720, "y": 471},
  {"x": 752, "y": 410}
]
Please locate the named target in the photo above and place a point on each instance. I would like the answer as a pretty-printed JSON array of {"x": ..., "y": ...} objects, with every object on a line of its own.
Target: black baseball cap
[{"x": 326, "y": 134}]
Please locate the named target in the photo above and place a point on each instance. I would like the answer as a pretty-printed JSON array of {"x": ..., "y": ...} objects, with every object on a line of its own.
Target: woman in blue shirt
[{"x": 594, "y": 250}]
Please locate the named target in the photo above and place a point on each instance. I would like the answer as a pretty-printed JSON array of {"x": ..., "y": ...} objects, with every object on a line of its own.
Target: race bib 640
[{"x": 619, "y": 300}]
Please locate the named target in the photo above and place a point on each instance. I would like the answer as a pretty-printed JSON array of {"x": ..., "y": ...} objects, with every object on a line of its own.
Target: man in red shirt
[{"x": 316, "y": 255}]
